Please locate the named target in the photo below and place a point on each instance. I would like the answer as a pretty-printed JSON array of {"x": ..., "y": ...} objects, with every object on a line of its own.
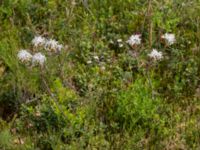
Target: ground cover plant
[{"x": 99, "y": 74}]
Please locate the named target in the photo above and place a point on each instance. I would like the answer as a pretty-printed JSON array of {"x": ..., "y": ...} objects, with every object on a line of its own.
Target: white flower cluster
[
  {"x": 38, "y": 58},
  {"x": 96, "y": 57},
  {"x": 169, "y": 38},
  {"x": 53, "y": 46},
  {"x": 134, "y": 40},
  {"x": 38, "y": 41},
  {"x": 155, "y": 55},
  {"x": 25, "y": 57},
  {"x": 50, "y": 45}
]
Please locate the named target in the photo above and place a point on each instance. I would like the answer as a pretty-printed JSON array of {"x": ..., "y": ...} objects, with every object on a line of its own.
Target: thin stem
[
  {"x": 149, "y": 13},
  {"x": 150, "y": 83},
  {"x": 60, "y": 68}
]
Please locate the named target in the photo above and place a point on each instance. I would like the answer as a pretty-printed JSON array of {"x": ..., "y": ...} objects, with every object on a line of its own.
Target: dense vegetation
[{"x": 100, "y": 91}]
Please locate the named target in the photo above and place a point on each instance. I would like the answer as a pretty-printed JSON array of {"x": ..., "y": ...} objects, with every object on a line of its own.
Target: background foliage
[{"x": 119, "y": 101}]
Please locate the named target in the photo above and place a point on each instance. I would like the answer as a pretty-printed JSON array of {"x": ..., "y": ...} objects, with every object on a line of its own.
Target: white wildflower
[
  {"x": 156, "y": 55},
  {"x": 89, "y": 62},
  {"x": 96, "y": 57},
  {"x": 51, "y": 45},
  {"x": 119, "y": 40},
  {"x": 134, "y": 40},
  {"x": 121, "y": 45},
  {"x": 38, "y": 58},
  {"x": 59, "y": 47},
  {"x": 24, "y": 56},
  {"x": 38, "y": 41},
  {"x": 169, "y": 38}
]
